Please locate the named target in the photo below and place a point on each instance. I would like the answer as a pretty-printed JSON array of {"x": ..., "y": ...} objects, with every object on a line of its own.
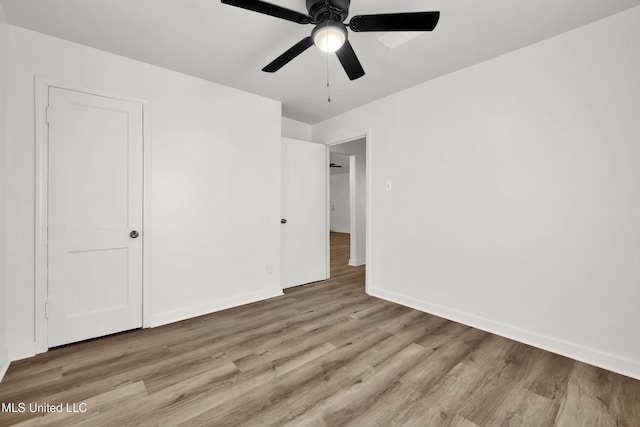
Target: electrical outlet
[
  {"x": 387, "y": 186},
  {"x": 268, "y": 269}
]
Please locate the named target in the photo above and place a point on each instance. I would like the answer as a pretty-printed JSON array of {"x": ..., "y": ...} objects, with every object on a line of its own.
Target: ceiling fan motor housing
[{"x": 337, "y": 10}]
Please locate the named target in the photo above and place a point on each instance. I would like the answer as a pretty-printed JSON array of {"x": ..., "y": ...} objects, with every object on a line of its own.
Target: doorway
[{"x": 348, "y": 203}]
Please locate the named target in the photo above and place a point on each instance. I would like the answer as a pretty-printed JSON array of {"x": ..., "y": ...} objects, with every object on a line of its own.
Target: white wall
[
  {"x": 295, "y": 129},
  {"x": 358, "y": 210},
  {"x": 214, "y": 187},
  {"x": 339, "y": 194},
  {"x": 516, "y": 194},
  {"x": 4, "y": 51},
  {"x": 357, "y": 150}
]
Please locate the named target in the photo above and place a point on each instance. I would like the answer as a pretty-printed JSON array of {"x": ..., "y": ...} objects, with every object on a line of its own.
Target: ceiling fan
[{"x": 330, "y": 32}]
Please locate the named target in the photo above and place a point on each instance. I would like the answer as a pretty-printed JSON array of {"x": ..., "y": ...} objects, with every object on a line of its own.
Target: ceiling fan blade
[
  {"x": 413, "y": 21},
  {"x": 289, "y": 55},
  {"x": 271, "y": 10},
  {"x": 349, "y": 61}
]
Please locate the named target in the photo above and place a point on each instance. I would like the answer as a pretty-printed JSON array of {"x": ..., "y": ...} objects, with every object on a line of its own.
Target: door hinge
[
  {"x": 47, "y": 114},
  {"x": 46, "y": 309}
]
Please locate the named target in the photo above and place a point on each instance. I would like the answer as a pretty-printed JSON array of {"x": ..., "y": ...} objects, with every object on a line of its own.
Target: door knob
[
  {"x": 133, "y": 234},
  {"x": 283, "y": 221}
]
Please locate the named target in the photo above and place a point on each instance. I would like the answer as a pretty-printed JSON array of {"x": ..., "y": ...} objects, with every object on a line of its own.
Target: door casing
[{"x": 41, "y": 202}]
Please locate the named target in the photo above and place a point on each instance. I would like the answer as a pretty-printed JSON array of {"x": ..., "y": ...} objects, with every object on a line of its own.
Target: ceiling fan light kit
[
  {"x": 329, "y": 37},
  {"x": 330, "y": 32}
]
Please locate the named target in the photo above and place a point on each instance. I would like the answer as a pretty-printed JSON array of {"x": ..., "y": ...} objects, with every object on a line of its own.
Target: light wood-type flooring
[{"x": 324, "y": 354}]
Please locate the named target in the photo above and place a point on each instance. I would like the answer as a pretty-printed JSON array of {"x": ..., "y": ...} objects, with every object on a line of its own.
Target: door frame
[
  {"x": 366, "y": 134},
  {"x": 42, "y": 86}
]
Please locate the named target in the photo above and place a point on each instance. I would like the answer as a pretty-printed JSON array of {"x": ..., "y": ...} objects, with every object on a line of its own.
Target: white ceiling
[{"x": 228, "y": 45}]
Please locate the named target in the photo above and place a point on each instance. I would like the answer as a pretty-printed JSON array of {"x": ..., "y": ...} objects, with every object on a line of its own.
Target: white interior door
[
  {"x": 94, "y": 216},
  {"x": 304, "y": 207}
]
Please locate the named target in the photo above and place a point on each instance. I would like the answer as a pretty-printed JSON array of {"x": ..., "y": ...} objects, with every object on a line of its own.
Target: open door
[{"x": 304, "y": 212}]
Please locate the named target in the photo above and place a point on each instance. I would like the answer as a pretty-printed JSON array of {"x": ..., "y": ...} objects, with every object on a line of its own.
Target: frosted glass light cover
[{"x": 329, "y": 39}]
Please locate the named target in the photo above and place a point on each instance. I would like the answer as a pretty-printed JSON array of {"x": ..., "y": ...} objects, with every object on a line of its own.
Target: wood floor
[{"x": 324, "y": 354}]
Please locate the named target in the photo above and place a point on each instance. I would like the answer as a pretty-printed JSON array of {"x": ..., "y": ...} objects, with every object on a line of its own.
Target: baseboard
[
  {"x": 212, "y": 307},
  {"x": 21, "y": 351},
  {"x": 597, "y": 358},
  {"x": 357, "y": 262}
]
